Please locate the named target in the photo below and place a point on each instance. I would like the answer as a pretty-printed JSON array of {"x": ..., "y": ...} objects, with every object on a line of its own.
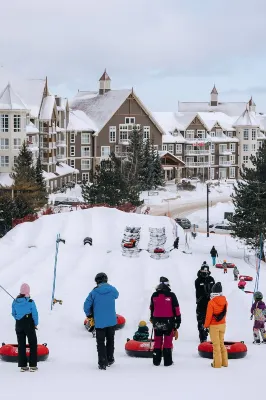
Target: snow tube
[
  {"x": 9, "y": 352},
  {"x": 129, "y": 245},
  {"x": 246, "y": 278},
  {"x": 158, "y": 250},
  {"x": 229, "y": 265},
  {"x": 234, "y": 349},
  {"x": 120, "y": 322},
  {"x": 139, "y": 349}
]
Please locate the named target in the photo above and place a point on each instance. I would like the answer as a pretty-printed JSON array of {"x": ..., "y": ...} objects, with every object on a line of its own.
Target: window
[
  {"x": 230, "y": 134},
  {"x": 112, "y": 134},
  {"x": 4, "y": 161},
  {"x": 213, "y": 134},
  {"x": 223, "y": 148},
  {"x": 232, "y": 147},
  {"x": 233, "y": 159},
  {"x": 17, "y": 123},
  {"x": 212, "y": 159},
  {"x": 72, "y": 137},
  {"x": 212, "y": 173},
  {"x": 219, "y": 132},
  {"x": 4, "y": 144},
  {"x": 253, "y": 147},
  {"x": 117, "y": 150},
  {"x": 15, "y": 159},
  {"x": 17, "y": 144},
  {"x": 254, "y": 135},
  {"x": 232, "y": 172},
  {"x": 130, "y": 120},
  {"x": 245, "y": 134},
  {"x": 85, "y": 164},
  {"x": 72, "y": 151},
  {"x": 259, "y": 145},
  {"x": 85, "y": 138},
  {"x": 72, "y": 163},
  {"x": 105, "y": 151},
  {"x": 123, "y": 133},
  {"x": 85, "y": 177},
  {"x": 171, "y": 148},
  {"x": 178, "y": 148},
  {"x": 164, "y": 147},
  {"x": 85, "y": 151},
  {"x": 245, "y": 147},
  {"x": 4, "y": 123},
  {"x": 245, "y": 159},
  {"x": 146, "y": 132},
  {"x": 201, "y": 134},
  {"x": 190, "y": 134},
  {"x": 212, "y": 147}
]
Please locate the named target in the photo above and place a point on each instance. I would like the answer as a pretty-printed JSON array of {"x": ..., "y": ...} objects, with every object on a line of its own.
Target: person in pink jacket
[{"x": 242, "y": 284}]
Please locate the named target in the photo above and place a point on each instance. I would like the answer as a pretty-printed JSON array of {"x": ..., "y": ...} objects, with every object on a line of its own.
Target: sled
[
  {"x": 159, "y": 254},
  {"x": 126, "y": 252}
]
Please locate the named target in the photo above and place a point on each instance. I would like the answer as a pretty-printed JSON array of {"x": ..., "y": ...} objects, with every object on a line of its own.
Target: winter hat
[
  {"x": 258, "y": 296},
  {"x": 217, "y": 290},
  {"x": 25, "y": 290},
  {"x": 164, "y": 280},
  {"x": 142, "y": 324}
]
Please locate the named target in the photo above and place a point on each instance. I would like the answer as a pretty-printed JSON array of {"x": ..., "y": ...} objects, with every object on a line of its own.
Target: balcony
[
  {"x": 44, "y": 145},
  {"x": 197, "y": 152},
  {"x": 61, "y": 143},
  {"x": 121, "y": 154},
  {"x": 197, "y": 139},
  {"x": 85, "y": 154},
  {"x": 46, "y": 160},
  {"x": 61, "y": 157},
  {"x": 197, "y": 164},
  {"x": 225, "y": 152},
  {"x": 125, "y": 142},
  {"x": 225, "y": 163}
]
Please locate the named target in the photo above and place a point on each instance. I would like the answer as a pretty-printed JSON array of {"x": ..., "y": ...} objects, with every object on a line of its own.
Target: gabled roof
[
  {"x": 47, "y": 108},
  {"x": 105, "y": 77},
  {"x": 248, "y": 118},
  {"x": 10, "y": 100},
  {"x": 171, "y": 156},
  {"x": 80, "y": 122},
  {"x": 230, "y": 109},
  {"x": 214, "y": 90}
]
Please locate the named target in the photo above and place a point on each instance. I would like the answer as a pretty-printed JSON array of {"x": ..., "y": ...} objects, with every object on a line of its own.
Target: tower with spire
[
  {"x": 105, "y": 83},
  {"x": 251, "y": 105},
  {"x": 214, "y": 97}
]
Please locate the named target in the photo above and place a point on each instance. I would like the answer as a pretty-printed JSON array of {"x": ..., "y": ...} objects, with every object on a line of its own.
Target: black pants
[
  {"x": 105, "y": 338},
  {"x": 25, "y": 329},
  {"x": 201, "y": 315}
]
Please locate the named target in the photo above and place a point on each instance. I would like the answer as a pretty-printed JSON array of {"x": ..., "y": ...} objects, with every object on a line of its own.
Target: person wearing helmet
[
  {"x": 225, "y": 267},
  {"x": 216, "y": 322},
  {"x": 236, "y": 273},
  {"x": 166, "y": 319},
  {"x": 101, "y": 304},
  {"x": 258, "y": 311},
  {"x": 203, "y": 286},
  {"x": 242, "y": 283}
]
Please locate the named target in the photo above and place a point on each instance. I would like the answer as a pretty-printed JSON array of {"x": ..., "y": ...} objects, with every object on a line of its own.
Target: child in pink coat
[{"x": 242, "y": 284}]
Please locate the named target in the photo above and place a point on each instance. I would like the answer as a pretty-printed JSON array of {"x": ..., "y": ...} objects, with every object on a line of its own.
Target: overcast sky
[{"x": 168, "y": 50}]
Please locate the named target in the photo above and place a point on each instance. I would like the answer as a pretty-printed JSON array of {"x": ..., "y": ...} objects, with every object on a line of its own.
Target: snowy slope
[{"x": 71, "y": 369}]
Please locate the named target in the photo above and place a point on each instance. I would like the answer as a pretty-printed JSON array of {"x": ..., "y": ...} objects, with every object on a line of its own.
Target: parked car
[
  {"x": 183, "y": 222},
  {"x": 194, "y": 179},
  {"x": 219, "y": 228}
]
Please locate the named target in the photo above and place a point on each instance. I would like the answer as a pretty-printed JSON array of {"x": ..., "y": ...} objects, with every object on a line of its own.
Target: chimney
[{"x": 105, "y": 83}]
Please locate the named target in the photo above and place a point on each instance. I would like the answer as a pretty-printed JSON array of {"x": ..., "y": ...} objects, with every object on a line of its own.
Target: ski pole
[{"x": 7, "y": 292}]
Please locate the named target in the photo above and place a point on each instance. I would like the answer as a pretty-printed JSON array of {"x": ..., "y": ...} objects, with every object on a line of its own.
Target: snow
[
  {"x": 31, "y": 128},
  {"x": 71, "y": 369},
  {"x": 10, "y": 100},
  {"x": 216, "y": 214},
  {"x": 5, "y": 179},
  {"x": 63, "y": 169},
  {"x": 79, "y": 121},
  {"x": 46, "y": 111},
  {"x": 248, "y": 118},
  {"x": 229, "y": 108},
  {"x": 100, "y": 108}
]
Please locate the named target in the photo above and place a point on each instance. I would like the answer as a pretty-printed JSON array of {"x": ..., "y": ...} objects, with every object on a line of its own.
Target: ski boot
[
  {"x": 256, "y": 341},
  {"x": 167, "y": 357},
  {"x": 24, "y": 369},
  {"x": 157, "y": 357}
]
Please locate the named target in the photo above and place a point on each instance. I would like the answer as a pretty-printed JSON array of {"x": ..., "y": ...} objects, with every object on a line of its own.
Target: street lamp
[{"x": 208, "y": 227}]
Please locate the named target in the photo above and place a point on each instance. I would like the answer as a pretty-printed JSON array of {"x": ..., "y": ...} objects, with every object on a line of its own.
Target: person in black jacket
[
  {"x": 203, "y": 285},
  {"x": 166, "y": 318},
  {"x": 214, "y": 254}
]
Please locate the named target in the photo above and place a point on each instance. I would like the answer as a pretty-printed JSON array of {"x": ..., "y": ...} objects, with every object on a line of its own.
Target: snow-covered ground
[
  {"x": 216, "y": 214},
  {"x": 27, "y": 255}
]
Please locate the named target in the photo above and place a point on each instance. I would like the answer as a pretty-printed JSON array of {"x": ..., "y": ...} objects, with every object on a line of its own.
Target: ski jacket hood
[
  {"x": 22, "y": 306},
  {"x": 101, "y": 304},
  {"x": 215, "y": 307}
]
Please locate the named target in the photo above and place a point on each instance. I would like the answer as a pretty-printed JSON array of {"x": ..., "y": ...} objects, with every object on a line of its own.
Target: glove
[
  {"x": 151, "y": 321},
  {"x": 175, "y": 334},
  {"x": 91, "y": 321}
]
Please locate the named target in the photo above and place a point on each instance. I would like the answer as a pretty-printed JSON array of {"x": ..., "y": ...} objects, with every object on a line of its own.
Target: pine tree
[
  {"x": 42, "y": 194},
  {"x": 249, "y": 199},
  {"x": 23, "y": 170},
  {"x": 158, "y": 173},
  {"x": 134, "y": 164},
  {"x": 146, "y": 174}
]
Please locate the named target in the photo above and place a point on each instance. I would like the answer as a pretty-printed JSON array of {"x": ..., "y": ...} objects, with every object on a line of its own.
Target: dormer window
[{"x": 130, "y": 120}]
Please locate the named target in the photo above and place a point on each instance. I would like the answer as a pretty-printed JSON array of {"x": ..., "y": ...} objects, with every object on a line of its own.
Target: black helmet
[
  {"x": 204, "y": 263},
  {"x": 101, "y": 277},
  {"x": 258, "y": 296}
]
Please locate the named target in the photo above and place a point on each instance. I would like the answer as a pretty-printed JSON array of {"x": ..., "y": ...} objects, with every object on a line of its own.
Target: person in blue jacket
[
  {"x": 101, "y": 304},
  {"x": 26, "y": 315}
]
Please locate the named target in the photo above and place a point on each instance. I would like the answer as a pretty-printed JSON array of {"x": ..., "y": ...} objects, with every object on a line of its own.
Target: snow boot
[
  {"x": 256, "y": 341},
  {"x": 24, "y": 369},
  {"x": 264, "y": 341},
  {"x": 102, "y": 366},
  {"x": 110, "y": 362},
  {"x": 33, "y": 369},
  {"x": 157, "y": 357},
  {"x": 167, "y": 357}
]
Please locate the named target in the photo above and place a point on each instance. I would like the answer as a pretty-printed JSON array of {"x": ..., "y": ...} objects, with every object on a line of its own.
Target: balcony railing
[
  {"x": 47, "y": 160},
  {"x": 124, "y": 141},
  {"x": 197, "y": 139},
  {"x": 197, "y": 164},
  {"x": 61, "y": 156},
  {"x": 225, "y": 163},
  {"x": 85, "y": 154},
  {"x": 226, "y": 152},
  {"x": 61, "y": 142},
  {"x": 32, "y": 145},
  {"x": 197, "y": 152}
]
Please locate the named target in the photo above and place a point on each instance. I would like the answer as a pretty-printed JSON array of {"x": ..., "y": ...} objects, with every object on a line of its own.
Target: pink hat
[{"x": 25, "y": 289}]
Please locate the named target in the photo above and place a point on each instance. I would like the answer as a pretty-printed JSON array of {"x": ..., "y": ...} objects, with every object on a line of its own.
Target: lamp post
[{"x": 208, "y": 227}]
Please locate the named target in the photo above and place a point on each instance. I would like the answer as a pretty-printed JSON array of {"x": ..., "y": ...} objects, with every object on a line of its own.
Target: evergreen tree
[
  {"x": 23, "y": 170},
  {"x": 249, "y": 199},
  {"x": 146, "y": 174},
  {"x": 134, "y": 164},
  {"x": 158, "y": 173},
  {"x": 42, "y": 194}
]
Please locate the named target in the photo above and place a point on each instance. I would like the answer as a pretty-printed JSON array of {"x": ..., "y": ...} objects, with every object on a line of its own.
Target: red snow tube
[
  {"x": 158, "y": 250},
  {"x": 234, "y": 349},
  {"x": 139, "y": 349},
  {"x": 9, "y": 352},
  {"x": 120, "y": 322},
  {"x": 246, "y": 278},
  {"x": 229, "y": 265},
  {"x": 129, "y": 245}
]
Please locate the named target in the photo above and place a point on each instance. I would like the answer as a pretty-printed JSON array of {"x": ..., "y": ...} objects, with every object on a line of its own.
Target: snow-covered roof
[
  {"x": 61, "y": 170},
  {"x": 79, "y": 121},
  {"x": 164, "y": 153},
  {"x": 100, "y": 108},
  {"x": 229, "y": 108},
  {"x": 169, "y": 138},
  {"x": 248, "y": 118},
  {"x": 211, "y": 118},
  {"x": 168, "y": 121},
  {"x": 46, "y": 111},
  {"x": 31, "y": 128},
  {"x": 10, "y": 100}
]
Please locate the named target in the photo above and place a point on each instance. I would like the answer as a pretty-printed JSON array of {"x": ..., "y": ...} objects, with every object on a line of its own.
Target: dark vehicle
[{"x": 183, "y": 222}]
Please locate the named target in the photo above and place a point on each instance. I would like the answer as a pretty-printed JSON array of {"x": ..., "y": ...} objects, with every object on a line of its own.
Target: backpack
[{"x": 220, "y": 316}]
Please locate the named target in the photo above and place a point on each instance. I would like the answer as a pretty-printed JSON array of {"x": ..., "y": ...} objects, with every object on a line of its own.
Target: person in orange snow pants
[{"x": 216, "y": 321}]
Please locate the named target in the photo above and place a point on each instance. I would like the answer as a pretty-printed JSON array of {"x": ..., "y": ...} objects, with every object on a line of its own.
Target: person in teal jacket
[
  {"x": 25, "y": 313},
  {"x": 101, "y": 303}
]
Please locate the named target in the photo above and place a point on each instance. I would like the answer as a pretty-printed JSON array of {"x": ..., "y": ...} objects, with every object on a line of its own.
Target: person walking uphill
[
  {"x": 214, "y": 254},
  {"x": 26, "y": 315},
  {"x": 203, "y": 286},
  {"x": 215, "y": 321},
  {"x": 101, "y": 304},
  {"x": 166, "y": 318},
  {"x": 258, "y": 310}
]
